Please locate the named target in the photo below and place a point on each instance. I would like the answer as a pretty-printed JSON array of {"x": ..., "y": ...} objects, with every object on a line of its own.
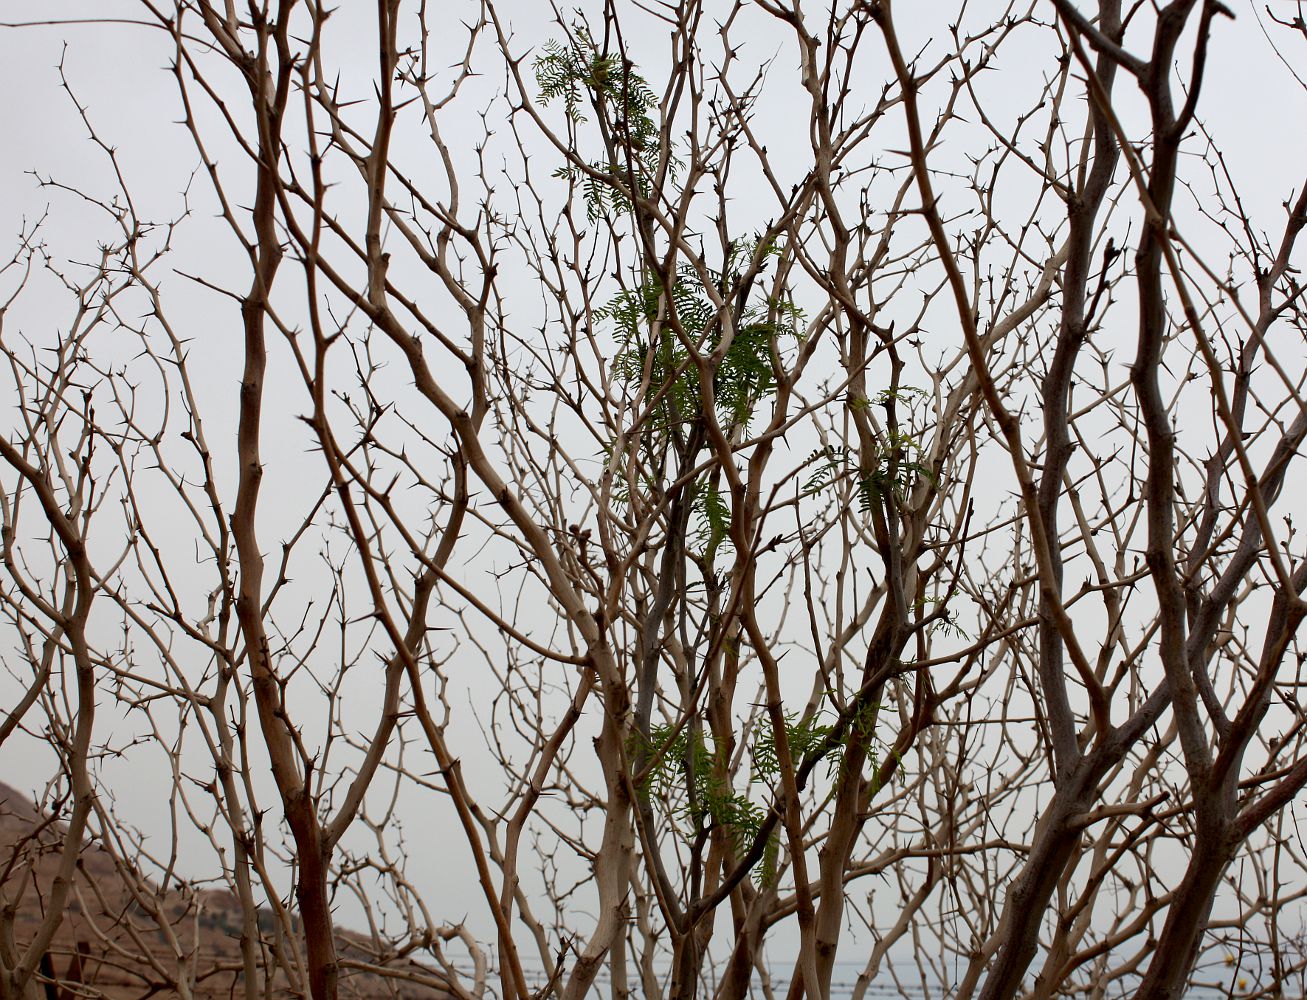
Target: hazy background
[{"x": 120, "y": 72}]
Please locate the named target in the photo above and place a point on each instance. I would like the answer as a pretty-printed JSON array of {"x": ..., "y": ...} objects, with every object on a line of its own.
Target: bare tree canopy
[{"x": 671, "y": 498}]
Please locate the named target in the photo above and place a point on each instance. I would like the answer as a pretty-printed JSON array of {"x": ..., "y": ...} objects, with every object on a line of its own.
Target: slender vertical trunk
[
  {"x": 1054, "y": 844},
  {"x": 1186, "y": 921},
  {"x": 612, "y": 863},
  {"x": 271, "y": 93}
]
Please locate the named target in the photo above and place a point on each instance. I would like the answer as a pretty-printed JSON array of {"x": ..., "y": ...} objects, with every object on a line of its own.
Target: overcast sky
[{"x": 120, "y": 72}]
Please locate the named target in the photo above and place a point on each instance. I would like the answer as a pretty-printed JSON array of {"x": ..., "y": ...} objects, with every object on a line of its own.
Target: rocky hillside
[{"x": 124, "y": 936}]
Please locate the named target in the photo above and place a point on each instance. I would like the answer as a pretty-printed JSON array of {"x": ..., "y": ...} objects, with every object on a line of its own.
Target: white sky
[{"x": 119, "y": 72}]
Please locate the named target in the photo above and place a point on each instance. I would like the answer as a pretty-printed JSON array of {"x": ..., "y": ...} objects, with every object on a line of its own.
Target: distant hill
[{"x": 109, "y": 940}]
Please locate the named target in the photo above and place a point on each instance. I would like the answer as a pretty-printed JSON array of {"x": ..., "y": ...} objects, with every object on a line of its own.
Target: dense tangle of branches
[{"x": 764, "y": 493}]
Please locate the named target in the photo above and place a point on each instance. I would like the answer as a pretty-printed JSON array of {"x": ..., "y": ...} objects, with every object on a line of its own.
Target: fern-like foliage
[
  {"x": 584, "y": 78},
  {"x": 805, "y": 737},
  {"x": 634, "y": 312},
  {"x": 687, "y": 760},
  {"x": 645, "y": 321},
  {"x": 894, "y": 470},
  {"x": 713, "y": 516},
  {"x": 690, "y": 770},
  {"x": 745, "y": 375}
]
